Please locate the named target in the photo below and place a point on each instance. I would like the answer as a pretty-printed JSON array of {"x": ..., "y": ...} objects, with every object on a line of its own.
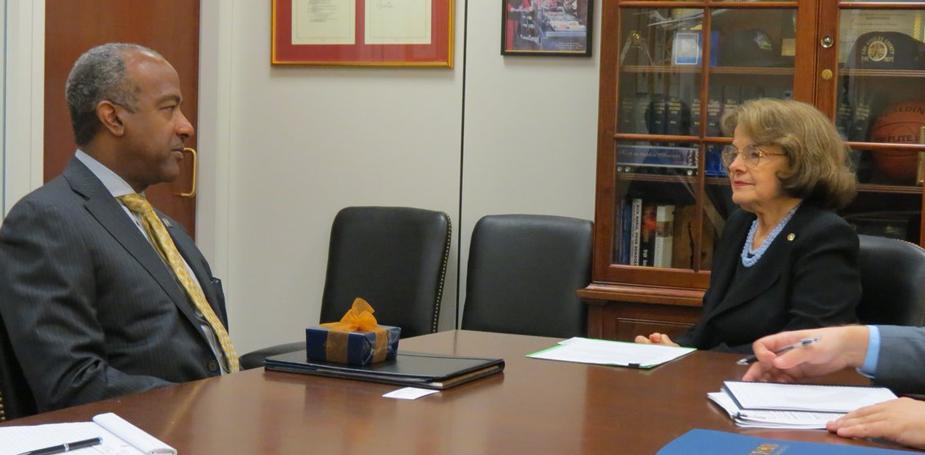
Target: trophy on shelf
[{"x": 636, "y": 49}]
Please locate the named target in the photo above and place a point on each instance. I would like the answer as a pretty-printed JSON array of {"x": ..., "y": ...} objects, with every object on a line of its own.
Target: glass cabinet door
[
  {"x": 670, "y": 71},
  {"x": 660, "y": 71},
  {"x": 678, "y": 71},
  {"x": 655, "y": 199},
  {"x": 753, "y": 57},
  {"x": 660, "y": 77},
  {"x": 881, "y": 100}
]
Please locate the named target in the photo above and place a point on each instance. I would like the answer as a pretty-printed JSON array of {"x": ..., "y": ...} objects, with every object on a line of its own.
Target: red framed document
[{"x": 363, "y": 32}]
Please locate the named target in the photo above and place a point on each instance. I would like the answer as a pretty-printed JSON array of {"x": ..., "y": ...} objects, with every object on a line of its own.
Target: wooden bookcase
[{"x": 669, "y": 69}]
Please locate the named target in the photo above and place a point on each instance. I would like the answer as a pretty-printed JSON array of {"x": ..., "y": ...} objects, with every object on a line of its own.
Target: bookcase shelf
[
  {"x": 862, "y": 187},
  {"x": 661, "y": 178},
  {"x": 752, "y": 70},
  {"x": 636, "y": 97},
  {"x": 694, "y": 69},
  {"x": 661, "y": 69},
  {"x": 895, "y": 189},
  {"x": 881, "y": 73}
]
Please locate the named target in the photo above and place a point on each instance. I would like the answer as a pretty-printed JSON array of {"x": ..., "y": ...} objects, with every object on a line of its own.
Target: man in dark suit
[
  {"x": 100, "y": 294},
  {"x": 890, "y": 355}
]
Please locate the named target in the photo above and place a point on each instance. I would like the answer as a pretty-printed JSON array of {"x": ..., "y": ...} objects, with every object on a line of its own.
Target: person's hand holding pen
[
  {"x": 799, "y": 344},
  {"x": 837, "y": 348}
]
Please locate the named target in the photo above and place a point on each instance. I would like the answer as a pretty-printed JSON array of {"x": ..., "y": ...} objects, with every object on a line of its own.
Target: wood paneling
[{"x": 170, "y": 27}]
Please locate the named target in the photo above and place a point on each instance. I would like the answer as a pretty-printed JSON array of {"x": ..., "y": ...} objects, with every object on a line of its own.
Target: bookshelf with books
[{"x": 669, "y": 74}]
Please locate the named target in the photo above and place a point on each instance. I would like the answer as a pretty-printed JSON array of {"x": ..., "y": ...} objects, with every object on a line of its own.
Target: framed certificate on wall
[{"x": 362, "y": 32}]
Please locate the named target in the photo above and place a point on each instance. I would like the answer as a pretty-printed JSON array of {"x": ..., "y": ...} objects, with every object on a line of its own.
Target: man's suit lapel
[{"x": 104, "y": 208}]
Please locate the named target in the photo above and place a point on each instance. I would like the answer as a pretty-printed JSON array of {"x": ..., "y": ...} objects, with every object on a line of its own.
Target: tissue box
[{"x": 352, "y": 348}]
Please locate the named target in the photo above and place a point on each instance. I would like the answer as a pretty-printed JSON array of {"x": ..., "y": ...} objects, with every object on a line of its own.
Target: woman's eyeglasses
[{"x": 751, "y": 155}]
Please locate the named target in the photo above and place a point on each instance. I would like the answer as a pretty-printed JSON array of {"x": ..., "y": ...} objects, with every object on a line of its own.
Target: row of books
[
  {"x": 671, "y": 160},
  {"x": 653, "y": 234},
  {"x": 853, "y": 120},
  {"x": 658, "y": 114},
  {"x": 664, "y": 114},
  {"x": 657, "y": 159}
]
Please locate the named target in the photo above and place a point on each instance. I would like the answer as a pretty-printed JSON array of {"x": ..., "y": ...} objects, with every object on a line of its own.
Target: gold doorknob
[
  {"x": 192, "y": 192},
  {"x": 826, "y": 74}
]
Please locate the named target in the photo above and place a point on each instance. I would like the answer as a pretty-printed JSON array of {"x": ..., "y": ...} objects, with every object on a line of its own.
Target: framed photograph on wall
[
  {"x": 546, "y": 27},
  {"x": 362, "y": 32}
]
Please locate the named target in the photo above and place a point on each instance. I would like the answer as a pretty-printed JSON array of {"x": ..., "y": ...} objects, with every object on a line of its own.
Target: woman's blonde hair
[{"x": 819, "y": 171}]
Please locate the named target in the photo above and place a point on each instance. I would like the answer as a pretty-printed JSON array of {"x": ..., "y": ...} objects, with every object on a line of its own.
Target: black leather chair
[
  {"x": 893, "y": 281},
  {"x": 394, "y": 257},
  {"x": 523, "y": 274},
  {"x": 16, "y": 398}
]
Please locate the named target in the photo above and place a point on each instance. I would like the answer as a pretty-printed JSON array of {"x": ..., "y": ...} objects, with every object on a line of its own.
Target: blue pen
[
  {"x": 66, "y": 447},
  {"x": 804, "y": 342}
]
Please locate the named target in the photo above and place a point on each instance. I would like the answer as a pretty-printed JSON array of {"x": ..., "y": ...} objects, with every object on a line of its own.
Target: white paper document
[
  {"x": 617, "y": 353},
  {"x": 398, "y": 22},
  {"x": 409, "y": 393},
  {"x": 804, "y": 397},
  {"x": 323, "y": 22},
  {"x": 797, "y": 420},
  {"x": 118, "y": 437}
]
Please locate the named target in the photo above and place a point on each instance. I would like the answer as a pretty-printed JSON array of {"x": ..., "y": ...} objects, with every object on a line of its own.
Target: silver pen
[{"x": 804, "y": 342}]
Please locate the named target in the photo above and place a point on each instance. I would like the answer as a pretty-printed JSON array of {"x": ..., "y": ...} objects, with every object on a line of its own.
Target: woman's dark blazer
[{"x": 807, "y": 278}]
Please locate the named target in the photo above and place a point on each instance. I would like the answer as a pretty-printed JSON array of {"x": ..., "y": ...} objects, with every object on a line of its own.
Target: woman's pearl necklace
[{"x": 749, "y": 257}]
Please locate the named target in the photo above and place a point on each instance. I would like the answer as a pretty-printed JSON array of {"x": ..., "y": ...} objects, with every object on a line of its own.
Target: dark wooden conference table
[{"x": 534, "y": 407}]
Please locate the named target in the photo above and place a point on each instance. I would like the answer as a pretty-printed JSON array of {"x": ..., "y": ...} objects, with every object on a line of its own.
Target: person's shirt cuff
[{"x": 869, "y": 368}]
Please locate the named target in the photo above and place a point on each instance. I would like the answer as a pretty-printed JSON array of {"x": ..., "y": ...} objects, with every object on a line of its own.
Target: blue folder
[{"x": 709, "y": 442}]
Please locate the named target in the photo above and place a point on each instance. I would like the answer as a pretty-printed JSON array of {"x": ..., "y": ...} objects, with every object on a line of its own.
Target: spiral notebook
[
  {"x": 791, "y": 420},
  {"x": 117, "y": 437},
  {"x": 771, "y": 396},
  {"x": 409, "y": 369}
]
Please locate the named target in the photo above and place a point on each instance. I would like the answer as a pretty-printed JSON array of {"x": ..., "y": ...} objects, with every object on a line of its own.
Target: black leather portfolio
[{"x": 409, "y": 369}]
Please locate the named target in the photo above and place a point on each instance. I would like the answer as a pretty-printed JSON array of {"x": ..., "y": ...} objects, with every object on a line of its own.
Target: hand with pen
[
  {"x": 786, "y": 357},
  {"x": 836, "y": 348}
]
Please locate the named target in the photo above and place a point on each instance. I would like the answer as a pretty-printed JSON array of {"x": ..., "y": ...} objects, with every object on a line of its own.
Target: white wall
[
  {"x": 530, "y": 130},
  {"x": 295, "y": 145},
  {"x": 284, "y": 148}
]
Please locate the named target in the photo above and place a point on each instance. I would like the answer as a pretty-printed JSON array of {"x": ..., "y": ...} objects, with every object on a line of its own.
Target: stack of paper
[
  {"x": 604, "y": 352},
  {"x": 771, "y": 419},
  {"x": 794, "y": 406}
]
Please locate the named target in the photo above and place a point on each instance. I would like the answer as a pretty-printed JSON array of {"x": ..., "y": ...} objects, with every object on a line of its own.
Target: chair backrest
[
  {"x": 523, "y": 274},
  {"x": 16, "y": 398},
  {"x": 893, "y": 281},
  {"x": 395, "y": 258}
]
